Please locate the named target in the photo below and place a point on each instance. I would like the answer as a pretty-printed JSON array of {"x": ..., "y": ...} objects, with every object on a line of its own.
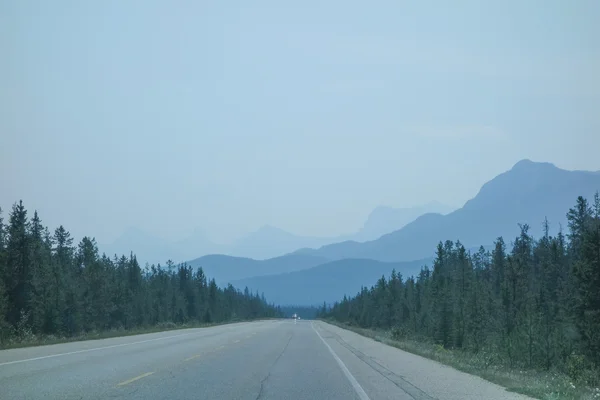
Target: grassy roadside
[
  {"x": 33, "y": 340},
  {"x": 545, "y": 385}
]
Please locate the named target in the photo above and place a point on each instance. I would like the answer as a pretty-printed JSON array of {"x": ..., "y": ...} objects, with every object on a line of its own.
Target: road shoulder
[{"x": 415, "y": 375}]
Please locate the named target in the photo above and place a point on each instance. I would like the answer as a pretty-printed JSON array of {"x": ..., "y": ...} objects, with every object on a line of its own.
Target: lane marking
[
  {"x": 208, "y": 352},
  {"x": 127, "y": 382},
  {"x": 236, "y": 341},
  {"x": 94, "y": 349},
  {"x": 357, "y": 388}
]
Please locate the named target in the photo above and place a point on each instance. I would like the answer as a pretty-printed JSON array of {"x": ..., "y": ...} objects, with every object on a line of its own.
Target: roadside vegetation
[
  {"x": 527, "y": 318},
  {"x": 53, "y": 291}
]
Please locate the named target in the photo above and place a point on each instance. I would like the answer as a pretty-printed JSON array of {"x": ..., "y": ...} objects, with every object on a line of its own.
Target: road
[{"x": 278, "y": 359}]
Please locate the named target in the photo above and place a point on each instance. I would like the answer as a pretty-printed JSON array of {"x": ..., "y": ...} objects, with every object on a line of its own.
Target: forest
[
  {"x": 534, "y": 304},
  {"x": 50, "y": 286}
]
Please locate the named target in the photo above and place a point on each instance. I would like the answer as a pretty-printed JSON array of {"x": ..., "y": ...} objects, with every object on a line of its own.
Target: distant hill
[
  {"x": 327, "y": 282},
  {"x": 527, "y": 193},
  {"x": 226, "y": 269}
]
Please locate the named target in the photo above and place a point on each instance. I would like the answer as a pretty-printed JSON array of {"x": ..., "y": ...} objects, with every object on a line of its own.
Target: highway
[{"x": 276, "y": 359}]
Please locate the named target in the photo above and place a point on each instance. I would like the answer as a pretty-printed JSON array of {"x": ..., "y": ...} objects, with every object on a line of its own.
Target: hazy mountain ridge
[
  {"x": 263, "y": 244},
  {"x": 153, "y": 250},
  {"x": 226, "y": 269},
  {"x": 270, "y": 241},
  {"x": 527, "y": 193},
  {"x": 385, "y": 219},
  {"x": 327, "y": 282},
  {"x": 324, "y": 282}
]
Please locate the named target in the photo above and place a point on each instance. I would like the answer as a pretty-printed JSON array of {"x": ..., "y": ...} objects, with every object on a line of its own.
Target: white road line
[
  {"x": 357, "y": 388},
  {"x": 94, "y": 349}
]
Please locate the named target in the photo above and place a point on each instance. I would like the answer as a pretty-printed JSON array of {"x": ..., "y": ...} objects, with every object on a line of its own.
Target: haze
[{"x": 223, "y": 116}]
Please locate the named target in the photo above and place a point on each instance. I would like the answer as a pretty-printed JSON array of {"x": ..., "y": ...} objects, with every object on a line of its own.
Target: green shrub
[
  {"x": 399, "y": 332},
  {"x": 576, "y": 365}
]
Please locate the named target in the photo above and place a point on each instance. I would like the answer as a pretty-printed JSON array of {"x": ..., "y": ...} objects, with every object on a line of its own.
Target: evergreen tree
[
  {"x": 40, "y": 248},
  {"x": 3, "y": 294},
  {"x": 18, "y": 275},
  {"x": 585, "y": 230}
]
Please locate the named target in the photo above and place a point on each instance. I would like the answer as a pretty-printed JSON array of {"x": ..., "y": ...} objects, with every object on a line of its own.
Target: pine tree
[
  {"x": 462, "y": 288},
  {"x": 40, "y": 248},
  {"x": 94, "y": 291},
  {"x": 3, "y": 294},
  {"x": 18, "y": 277},
  {"x": 443, "y": 314},
  {"x": 585, "y": 230},
  {"x": 578, "y": 219}
]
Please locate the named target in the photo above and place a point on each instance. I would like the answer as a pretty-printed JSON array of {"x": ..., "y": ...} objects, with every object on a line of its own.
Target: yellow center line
[
  {"x": 192, "y": 357},
  {"x": 200, "y": 355},
  {"x": 127, "y": 382}
]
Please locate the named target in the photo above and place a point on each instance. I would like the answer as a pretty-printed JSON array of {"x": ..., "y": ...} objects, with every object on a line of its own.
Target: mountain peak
[
  {"x": 528, "y": 193},
  {"x": 270, "y": 229},
  {"x": 527, "y": 164}
]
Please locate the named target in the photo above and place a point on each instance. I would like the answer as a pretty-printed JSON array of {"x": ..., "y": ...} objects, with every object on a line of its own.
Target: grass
[
  {"x": 30, "y": 340},
  {"x": 545, "y": 385}
]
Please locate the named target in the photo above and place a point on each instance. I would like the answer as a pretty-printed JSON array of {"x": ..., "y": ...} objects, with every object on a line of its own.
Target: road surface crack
[
  {"x": 397, "y": 380},
  {"x": 262, "y": 383}
]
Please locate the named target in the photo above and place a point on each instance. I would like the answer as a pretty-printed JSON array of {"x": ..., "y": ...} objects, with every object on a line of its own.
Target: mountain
[
  {"x": 327, "y": 282},
  {"x": 195, "y": 244},
  {"x": 153, "y": 250},
  {"x": 385, "y": 219},
  {"x": 527, "y": 193},
  {"x": 146, "y": 247},
  {"x": 226, "y": 269},
  {"x": 269, "y": 241},
  {"x": 265, "y": 243}
]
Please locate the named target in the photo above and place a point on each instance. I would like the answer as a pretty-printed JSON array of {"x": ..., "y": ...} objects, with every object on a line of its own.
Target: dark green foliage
[
  {"x": 48, "y": 286},
  {"x": 535, "y": 306}
]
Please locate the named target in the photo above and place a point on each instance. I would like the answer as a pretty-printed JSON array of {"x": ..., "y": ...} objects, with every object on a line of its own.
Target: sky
[{"x": 170, "y": 116}]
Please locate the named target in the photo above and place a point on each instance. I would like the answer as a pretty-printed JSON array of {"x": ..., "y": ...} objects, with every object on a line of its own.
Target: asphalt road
[{"x": 279, "y": 359}]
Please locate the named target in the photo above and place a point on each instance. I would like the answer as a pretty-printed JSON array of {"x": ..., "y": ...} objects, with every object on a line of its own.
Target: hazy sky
[{"x": 227, "y": 115}]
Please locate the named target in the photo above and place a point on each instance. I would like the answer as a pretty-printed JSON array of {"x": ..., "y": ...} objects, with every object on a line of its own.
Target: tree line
[
  {"x": 304, "y": 312},
  {"x": 50, "y": 286},
  {"x": 535, "y": 305}
]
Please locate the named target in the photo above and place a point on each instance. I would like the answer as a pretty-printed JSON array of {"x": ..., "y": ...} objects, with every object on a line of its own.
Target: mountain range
[
  {"x": 527, "y": 193},
  {"x": 264, "y": 243},
  {"x": 327, "y": 282},
  {"x": 227, "y": 269}
]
